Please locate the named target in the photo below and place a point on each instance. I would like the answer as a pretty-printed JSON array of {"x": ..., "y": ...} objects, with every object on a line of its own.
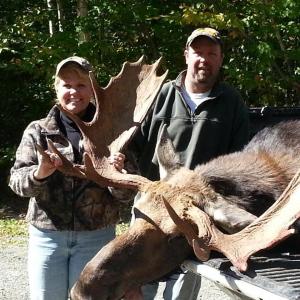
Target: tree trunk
[
  {"x": 82, "y": 12},
  {"x": 60, "y": 15},
  {"x": 51, "y": 7}
]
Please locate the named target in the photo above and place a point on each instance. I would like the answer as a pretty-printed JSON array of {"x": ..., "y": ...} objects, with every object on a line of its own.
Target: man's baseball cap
[
  {"x": 74, "y": 59},
  {"x": 208, "y": 32}
]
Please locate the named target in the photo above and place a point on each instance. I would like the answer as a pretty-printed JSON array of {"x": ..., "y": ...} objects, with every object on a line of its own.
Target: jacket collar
[
  {"x": 50, "y": 124},
  {"x": 216, "y": 91}
]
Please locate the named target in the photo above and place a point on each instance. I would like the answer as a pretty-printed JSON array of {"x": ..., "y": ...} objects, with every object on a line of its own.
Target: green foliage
[
  {"x": 121, "y": 228},
  {"x": 13, "y": 232},
  {"x": 262, "y": 50},
  {"x": 13, "y": 227},
  {"x": 262, "y": 45}
]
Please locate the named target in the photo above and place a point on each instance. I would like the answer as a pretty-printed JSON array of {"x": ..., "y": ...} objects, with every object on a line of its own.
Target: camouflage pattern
[{"x": 60, "y": 202}]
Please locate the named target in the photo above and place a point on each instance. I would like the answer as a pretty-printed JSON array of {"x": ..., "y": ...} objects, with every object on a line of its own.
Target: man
[{"x": 205, "y": 118}]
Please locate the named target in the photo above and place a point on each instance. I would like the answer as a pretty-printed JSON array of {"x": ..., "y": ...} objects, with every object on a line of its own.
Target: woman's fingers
[{"x": 117, "y": 160}]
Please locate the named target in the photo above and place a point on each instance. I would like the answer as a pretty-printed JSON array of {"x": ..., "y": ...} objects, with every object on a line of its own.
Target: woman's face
[{"x": 74, "y": 92}]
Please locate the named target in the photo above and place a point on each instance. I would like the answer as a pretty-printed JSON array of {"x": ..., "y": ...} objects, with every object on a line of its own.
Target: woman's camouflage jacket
[{"x": 59, "y": 202}]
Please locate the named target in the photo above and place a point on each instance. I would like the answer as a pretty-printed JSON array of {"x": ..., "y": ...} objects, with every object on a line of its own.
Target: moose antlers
[
  {"x": 267, "y": 230},
  {"x": 120, "y": 108}
]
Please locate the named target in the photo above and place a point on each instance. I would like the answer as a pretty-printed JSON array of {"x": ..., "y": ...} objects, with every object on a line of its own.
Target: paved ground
[{"x": 13, "y": 277}]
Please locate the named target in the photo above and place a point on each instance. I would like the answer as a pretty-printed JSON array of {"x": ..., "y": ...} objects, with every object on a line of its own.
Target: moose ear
[
  {"x": 222, "y": 185},
  {"x": 168, "y": 159}
]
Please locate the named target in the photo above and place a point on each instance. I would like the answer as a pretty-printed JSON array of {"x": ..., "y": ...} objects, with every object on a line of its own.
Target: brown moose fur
[{"x": 238, "y": 186}]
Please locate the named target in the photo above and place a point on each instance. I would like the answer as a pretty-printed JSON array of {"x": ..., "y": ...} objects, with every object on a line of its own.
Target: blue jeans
[
  {"x": 56, "y": 259},
  {"x": 177, "y": 286}
]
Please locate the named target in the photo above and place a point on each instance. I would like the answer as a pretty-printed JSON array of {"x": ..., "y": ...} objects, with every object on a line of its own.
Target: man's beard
[{"x": 206, "y": 77}]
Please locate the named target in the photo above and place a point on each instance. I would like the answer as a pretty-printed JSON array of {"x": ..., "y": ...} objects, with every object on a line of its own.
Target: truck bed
[{"x": 271, "y": 275}]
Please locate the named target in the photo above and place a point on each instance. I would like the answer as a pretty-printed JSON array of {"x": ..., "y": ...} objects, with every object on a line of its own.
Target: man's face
[{"x": 204, "y": 59}]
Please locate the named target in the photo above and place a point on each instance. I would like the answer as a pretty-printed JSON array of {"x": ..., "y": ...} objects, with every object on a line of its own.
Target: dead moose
[{"x": 182, "y": 212}]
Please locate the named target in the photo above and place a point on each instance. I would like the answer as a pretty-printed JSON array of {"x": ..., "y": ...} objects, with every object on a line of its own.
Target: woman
[{"x": 70, "y": 219}]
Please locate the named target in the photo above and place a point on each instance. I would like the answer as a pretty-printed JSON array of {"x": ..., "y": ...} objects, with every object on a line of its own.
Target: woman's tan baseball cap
[{"x": 75, "y": 59}]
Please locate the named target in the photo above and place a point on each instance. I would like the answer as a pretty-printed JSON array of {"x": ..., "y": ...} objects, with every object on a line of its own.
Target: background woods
[{"x": 261, "y": 46}]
